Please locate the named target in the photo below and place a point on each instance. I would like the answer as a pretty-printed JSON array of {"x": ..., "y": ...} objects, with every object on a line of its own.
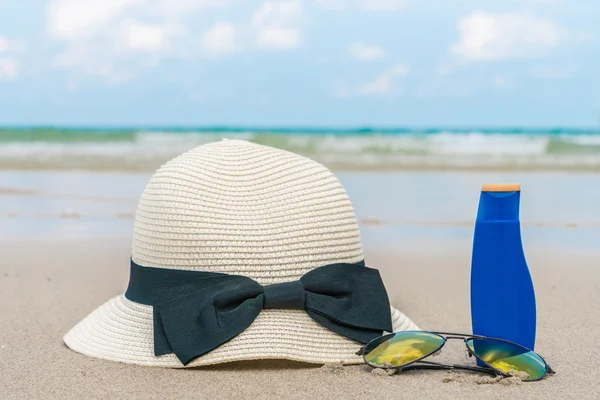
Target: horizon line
[{"x": 296, "y": 128}]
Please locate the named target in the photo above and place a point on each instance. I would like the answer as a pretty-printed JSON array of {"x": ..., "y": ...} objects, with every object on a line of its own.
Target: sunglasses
[{"x": 406, "y": 350}]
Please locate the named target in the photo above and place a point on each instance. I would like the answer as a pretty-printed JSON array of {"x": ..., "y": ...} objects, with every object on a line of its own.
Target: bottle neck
[{"x": 499, "y": 206}]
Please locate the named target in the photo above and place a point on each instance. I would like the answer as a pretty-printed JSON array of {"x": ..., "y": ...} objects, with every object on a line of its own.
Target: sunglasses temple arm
[{"x": 433, "y": 365}]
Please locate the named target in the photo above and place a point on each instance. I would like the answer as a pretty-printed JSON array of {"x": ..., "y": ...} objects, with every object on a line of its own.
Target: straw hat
[{"x": 240, "y": 208}]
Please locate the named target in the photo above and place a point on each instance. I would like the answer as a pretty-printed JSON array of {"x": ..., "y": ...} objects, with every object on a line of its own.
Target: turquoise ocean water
[{"x": 358, "y": 149}]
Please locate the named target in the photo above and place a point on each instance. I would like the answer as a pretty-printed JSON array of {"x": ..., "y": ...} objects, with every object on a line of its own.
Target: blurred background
[{"x": 413, "y": 104}]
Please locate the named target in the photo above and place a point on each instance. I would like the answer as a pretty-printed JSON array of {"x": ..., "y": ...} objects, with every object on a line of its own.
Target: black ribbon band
[{"x": 194, "y": 312}]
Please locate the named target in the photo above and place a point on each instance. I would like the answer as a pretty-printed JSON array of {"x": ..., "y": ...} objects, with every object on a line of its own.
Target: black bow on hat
[{"x": 195, "y": 312}]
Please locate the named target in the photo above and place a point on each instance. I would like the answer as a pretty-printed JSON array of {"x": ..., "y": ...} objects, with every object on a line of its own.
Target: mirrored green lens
[
  {"x": 508, "y": 357},
  {"x": 401, "y": 348}
]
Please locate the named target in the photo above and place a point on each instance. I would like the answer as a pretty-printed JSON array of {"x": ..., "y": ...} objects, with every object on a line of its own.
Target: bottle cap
[
  {"x": 499, "y": 202},
  {"x": 501, "y": 187}
]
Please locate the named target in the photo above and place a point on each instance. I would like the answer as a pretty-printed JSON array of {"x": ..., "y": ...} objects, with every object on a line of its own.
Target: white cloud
[
  {"x": 383, "y": 83},
  {"x": 91, "y": 63},
  {"x": 10, "y": 65},
  {"x": 332, "y": 4},
  {"x": 492, "y": 36},
  {"x": 220, "y": 39},
  {"x": 272, "y": 12},
  {"x": 11, "y": 46},
  {"x": 71, "y": 19},
  {"x": 276, "y": 24},
  {"x": 279, "y": 38},
  {"x": 113, "y": 38},
  {"x": 383, "y": 5},
  {"x": 144, "y": 37},
  {"x": 9, "y": 69},
  {"x": 366, "y": 52},
  {"x": 368, "y": 5},
  {"x": 4, "y": 44}
]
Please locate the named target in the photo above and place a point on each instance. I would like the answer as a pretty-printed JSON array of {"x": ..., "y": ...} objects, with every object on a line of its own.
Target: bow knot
[
  {"x": 195, "y": 312},
  {"x": 287, "y": 295}
]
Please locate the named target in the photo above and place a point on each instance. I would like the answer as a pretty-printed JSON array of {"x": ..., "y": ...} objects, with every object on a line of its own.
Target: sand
[{"x": 48, "y": 284}]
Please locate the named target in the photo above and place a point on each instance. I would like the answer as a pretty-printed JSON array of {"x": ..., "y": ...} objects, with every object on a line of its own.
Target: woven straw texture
[{"x": 238, "y": 208}]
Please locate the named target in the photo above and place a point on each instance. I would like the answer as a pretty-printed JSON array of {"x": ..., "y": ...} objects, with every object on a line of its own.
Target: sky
[{"x": 512, "y": 63}]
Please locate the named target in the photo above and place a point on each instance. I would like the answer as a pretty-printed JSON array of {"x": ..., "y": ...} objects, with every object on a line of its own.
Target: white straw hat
[{"x": 235, "y": 207}]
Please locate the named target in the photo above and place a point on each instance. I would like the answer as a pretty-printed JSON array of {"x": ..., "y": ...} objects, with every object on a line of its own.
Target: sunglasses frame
[{"x": 420, "y": 364}]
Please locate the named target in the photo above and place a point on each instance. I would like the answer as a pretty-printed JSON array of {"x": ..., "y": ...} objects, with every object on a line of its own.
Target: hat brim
[{"x": 121, "y": 330}]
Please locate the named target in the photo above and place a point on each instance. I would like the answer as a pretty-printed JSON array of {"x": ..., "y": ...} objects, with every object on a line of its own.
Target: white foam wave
[{"x": 442, "y": 149}]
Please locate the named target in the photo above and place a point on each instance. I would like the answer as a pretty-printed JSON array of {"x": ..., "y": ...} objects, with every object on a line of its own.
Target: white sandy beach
[{"x": 46, "y": 286}]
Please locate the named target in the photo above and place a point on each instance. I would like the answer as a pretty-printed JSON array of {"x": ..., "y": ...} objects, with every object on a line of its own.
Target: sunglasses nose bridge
[{"x": 455, "y": 337}]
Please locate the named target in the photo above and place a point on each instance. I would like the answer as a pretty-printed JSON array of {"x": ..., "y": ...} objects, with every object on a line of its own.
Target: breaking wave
[{"x": 114, "y": 149}]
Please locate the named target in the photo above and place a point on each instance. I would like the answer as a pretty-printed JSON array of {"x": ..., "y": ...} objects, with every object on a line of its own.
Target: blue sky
[{"x": 300, "y": 62}]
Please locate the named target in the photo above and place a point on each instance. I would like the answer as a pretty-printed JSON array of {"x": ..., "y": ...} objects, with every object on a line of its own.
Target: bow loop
[
  {"x": 189, "y": 323},
  {"x": 357, "y": 305}
]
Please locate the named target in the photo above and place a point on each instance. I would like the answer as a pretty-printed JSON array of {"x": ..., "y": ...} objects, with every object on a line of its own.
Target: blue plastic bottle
[{"x": 502, "y": 294}]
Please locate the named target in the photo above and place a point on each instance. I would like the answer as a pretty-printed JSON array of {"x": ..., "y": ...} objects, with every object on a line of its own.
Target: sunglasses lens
[
  {"x": 401, "y": 348},
  {"x": 507, "y": 357}
]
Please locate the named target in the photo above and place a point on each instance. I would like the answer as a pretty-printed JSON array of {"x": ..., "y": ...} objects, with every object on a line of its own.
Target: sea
[
  {"x": 406, "y": 185},
  {"x": 145, "y": 149}
]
